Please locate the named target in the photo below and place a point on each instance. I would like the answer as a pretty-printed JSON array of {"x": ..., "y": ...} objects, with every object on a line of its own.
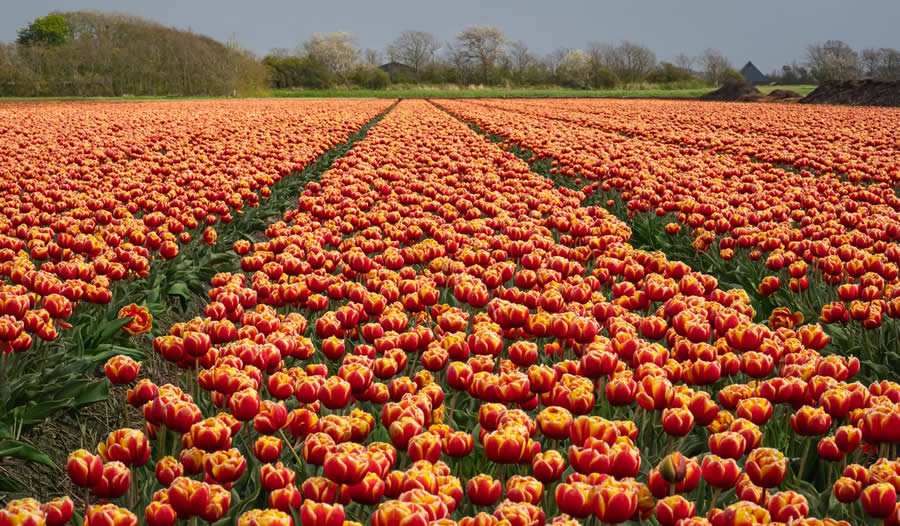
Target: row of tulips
[
  {"x": 437, "y": 335},
  {"x": 857, "y": 143},
  {"x": 195, "y": 183},
  {"x": 814, "y": 243},
  {"x": 90, "y": 198}
]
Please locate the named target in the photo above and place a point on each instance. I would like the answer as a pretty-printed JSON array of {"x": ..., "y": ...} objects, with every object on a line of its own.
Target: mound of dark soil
[
  {"x": 781, "y": 94},
  {"x": 862, "y": 92},
  {"x": 734, "y": 91}
]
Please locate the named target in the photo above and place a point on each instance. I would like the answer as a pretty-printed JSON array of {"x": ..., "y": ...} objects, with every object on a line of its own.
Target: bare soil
[
  {"x": 862, "y": 92},
  {"x": 734, "y": 92}
]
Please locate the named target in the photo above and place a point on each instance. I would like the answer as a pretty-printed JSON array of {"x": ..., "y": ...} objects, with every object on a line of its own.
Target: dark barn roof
[
  {"x": 753, "y": 74},
  {"x": 390, "y": 67}
]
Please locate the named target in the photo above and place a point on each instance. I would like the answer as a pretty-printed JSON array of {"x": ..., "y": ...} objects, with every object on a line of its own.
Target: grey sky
[{"x": 769, "y": 32}]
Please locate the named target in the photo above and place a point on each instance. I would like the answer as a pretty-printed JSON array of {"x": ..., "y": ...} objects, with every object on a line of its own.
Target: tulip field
[{"x": 483, "y": 312}]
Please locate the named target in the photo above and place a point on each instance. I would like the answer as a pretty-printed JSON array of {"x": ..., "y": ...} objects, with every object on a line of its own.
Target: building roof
[
  {"x": 753, "y": 74},
  {"x": 393, "y": 66}
]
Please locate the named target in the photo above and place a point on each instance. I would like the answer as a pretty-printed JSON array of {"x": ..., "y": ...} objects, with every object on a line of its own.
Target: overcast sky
[{"x": 768, "y": 32}]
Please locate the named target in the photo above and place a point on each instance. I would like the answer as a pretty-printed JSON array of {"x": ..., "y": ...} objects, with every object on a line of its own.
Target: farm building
[
  {"x": 397, "y": 70},
  {"x": 753, "y": 74}
]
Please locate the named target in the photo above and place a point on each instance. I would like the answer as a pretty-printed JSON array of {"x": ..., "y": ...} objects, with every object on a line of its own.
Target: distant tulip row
[
  {"x": 830, "y": 243},
  {"x": 92, "y": 195}
]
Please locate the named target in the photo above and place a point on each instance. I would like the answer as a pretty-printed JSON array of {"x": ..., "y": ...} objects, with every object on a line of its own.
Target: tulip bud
[
  {"x": 548, "y": 466},
  {"x": 121, "y": 369},
  {"x": 673, "y": 468},
  {"x": 286, "y": 499},
  {"x": 321, "y": 514},
  {"x": 719, "y": 472},
  {"x": 787, "y": 506},
  {"x": 673, "y": 509},
  {"x": 84, "y": 469},
  {"x": 879, "y": 500},
  {"x": 225, "y": 466},
  {"x": 615, "y": 502},
  {"x": 574, "y": 499},
  {"x": 846, "y": 489},
  {"x": 58, "y": 511},
  {"x": 270, "y": 517},
  {"x": 766, "y": 467},
  {"x": 188, "y": 497},
  {"x": 167, "y": 470},
  {"x": 160, "y": 514},
  {"x": 109, "y": 514},
  {"x": 483, "y": 490},
  {"x": 115, "y": 481}
]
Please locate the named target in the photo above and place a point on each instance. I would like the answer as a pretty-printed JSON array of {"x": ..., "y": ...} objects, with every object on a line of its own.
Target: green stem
[
  {"x": 803, "y": 459},
  {"x": 161, "y": 431},
  {"x": 125, "y": 413},
  {"x": 452, "y": 407},
  {"x": 291, "y": 447},
  {"x": 712, "y": 502}
]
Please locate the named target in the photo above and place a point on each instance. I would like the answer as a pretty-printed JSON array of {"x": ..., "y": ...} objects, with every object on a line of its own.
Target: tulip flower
[
  {"x": 766, "y": 467},
  {"x": 109, "y": 514}
]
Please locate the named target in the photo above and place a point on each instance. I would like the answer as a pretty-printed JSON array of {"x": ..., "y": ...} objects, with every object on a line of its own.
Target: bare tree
[
  {"x": 833, "y": 60},
  {"x": 337, "y": 51},
  {"x": 458, "y": 61},
  {"x": 631, "y": 62},
  {"x": 883, "y": 63},
  {"x": 553, "y": 61},
  {"x": 684, "y": 61},
  {"x": 638, "y": 61},
  {"x": 604, "y": 55},
  {"x": 521, "y": 60},
  {"x": 371, "y": 57},
  {"x": 413, "y": 48},
  {"x": 714, "y": 65},
  {"x": 482, "y": 45}
]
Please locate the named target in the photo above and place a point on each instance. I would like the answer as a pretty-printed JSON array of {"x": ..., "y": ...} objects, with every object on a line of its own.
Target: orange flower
[
  {"x": 141, "y": 322},
  {"x": 766, "y": 467},
  {"x": 109, "y": 514}
]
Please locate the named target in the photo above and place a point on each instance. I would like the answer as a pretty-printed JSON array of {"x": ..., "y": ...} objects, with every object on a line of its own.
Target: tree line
[
  {"x": 483, "y": 55},
  {"x": 89, "y": 54},
  {"x": 836, "y": 60},
  {"x": 99, "y": 54}
]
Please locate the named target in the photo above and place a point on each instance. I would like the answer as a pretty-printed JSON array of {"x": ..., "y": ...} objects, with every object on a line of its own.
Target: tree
[
  {"x": 371, "y": 57},
  {"x": 732, "y": 75},
  {"x": 668, "y": 73},
  {"x": 337, "y": 51},
  {"x": 792, "y": 74},
  {"x": 685, "y": 61},
  {"x": 883, "y": 63},
  {"x": 629, "y": 61},
  {"x": 553, "y": 61},
  {"x": 458, "y": 64},
  {"x": 111, "y": 54},
  {"x": 51, "y": 30},
  {"x": 575, "y": 70},
  {"x": 414, "y": 49},
  {"x": 370, "y": 77},
  {"x": 833, "y": 60},
  {"x": 521, "y": 61},
  {"x": 638, "y": 61},
  {"x": 714, "y": 65},
  {"x": 295, "y": 72},
  {"x": 482, "y": 45}
]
